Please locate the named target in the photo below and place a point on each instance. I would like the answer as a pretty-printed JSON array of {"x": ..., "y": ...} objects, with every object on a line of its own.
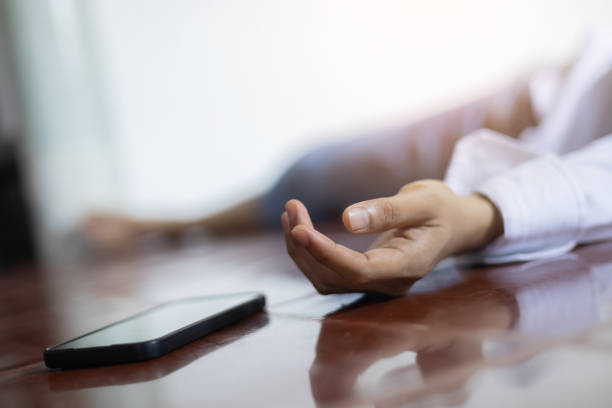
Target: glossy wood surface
[{"x": 533, "y": 334}]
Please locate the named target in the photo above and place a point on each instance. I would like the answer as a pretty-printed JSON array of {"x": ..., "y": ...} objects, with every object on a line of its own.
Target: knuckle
[
  {"x": 390, "y": 214},
  {"x": 417, "y": 185},
  {"x": 432, "y": 193},
  {"x": 405, "y": 188},
  {"x": 438, "y": 200},
  {"x": 440, "y": 190}
]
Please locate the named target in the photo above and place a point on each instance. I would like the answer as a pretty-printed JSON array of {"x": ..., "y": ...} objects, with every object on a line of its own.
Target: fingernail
[{"x": 359, "y": 218}]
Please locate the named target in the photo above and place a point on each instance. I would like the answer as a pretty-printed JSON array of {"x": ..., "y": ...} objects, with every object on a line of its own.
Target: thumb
[{"x": 404, "y": 209}]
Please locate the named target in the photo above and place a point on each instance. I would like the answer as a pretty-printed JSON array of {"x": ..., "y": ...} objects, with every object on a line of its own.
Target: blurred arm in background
[{"x": 329, "y": 178}]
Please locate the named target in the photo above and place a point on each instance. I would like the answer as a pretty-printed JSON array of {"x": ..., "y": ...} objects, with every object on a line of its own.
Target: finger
[
  {"x": 292, "y": 246},
  {"x": 296, "y": 251},
  {"x": 398, "y": 259},
  {"x": 324, "y": 280},
  {"x": 413, "y": 253},
  {"x": 405, "y": 209},
  {"x": 298, "y": 214},
  {"x": 349, "y": 264},
  {"x": 391, "y": 269},
  {"x": 285, "y": 223}
]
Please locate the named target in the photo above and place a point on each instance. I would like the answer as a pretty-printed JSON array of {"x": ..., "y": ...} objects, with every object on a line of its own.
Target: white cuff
[{"x": 541, "y": 210}]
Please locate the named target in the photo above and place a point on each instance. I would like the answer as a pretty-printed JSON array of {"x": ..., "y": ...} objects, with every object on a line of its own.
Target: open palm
[{"x": 416, "y": 236}]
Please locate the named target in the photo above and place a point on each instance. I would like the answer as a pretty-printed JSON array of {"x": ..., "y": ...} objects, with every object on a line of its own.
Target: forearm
[
  {"x": 330, "y": 178},
  {"x": 242, "y": 217},
  {"x": 246, "y": 216}
]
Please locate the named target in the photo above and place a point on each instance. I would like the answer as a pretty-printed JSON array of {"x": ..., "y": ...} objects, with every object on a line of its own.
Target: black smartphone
[{"x": 155, "y": 331}]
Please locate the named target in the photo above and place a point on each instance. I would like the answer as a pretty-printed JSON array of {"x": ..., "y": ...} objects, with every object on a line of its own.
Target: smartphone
[{"x": 155, "y": 331}]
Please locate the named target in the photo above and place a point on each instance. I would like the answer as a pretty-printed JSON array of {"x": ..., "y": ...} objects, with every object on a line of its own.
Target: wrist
[{"x": 480, "y": 222}]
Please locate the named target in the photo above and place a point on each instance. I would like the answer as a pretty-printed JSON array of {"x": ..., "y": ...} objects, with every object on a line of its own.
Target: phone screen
[{"x": 159, "y": 321}]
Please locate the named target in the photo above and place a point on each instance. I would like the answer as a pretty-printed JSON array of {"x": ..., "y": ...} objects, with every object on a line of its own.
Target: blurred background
[{"x": 177, "y": 108}]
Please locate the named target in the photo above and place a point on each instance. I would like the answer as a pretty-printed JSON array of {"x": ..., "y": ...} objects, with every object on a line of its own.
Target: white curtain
[{"x": 67, "y": 147}]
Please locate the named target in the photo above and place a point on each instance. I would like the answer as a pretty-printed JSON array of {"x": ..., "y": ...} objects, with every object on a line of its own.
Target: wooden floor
[{"x": 535, "y": 334}]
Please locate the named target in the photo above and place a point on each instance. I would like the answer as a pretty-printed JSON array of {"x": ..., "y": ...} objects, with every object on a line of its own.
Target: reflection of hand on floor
[{"x": 438, "y": 327}]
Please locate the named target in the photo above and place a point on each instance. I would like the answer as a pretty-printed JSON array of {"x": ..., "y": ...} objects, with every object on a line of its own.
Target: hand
[
  {"x": 422, "y": 224},
  {"x": 110, "y": 231}
]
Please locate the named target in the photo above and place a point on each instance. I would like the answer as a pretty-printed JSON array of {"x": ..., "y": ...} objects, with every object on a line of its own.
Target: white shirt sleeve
[
  {"x": 553, "y": 186},
  {"x": 549, "y": 203}
]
